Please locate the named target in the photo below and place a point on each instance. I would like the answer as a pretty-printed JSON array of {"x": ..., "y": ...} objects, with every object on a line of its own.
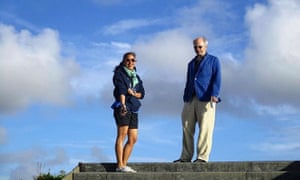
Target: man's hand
[{"x": 214, "y": 99}]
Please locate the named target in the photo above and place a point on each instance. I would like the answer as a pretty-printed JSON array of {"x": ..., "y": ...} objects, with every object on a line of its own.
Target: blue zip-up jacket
[
  {"x": 204, "y": 83},
  {"x": 122, "y": 83}
]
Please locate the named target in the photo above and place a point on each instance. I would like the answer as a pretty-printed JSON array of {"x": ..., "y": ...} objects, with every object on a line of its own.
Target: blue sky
[{"x": 56, "y": 62}]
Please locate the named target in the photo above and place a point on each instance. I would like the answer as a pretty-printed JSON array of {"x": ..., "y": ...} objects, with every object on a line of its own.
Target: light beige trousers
[{"x": 202, "y": 113}]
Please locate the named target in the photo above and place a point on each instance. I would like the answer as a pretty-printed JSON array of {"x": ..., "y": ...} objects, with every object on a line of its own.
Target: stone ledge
[
  {"x": 198, "y": 167},
  {"x": 187, "y": 176},
  {"x": 250, "y": 170}
]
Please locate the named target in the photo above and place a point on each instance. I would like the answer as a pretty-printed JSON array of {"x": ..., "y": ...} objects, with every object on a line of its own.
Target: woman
[{"x": 128, "y": 90}]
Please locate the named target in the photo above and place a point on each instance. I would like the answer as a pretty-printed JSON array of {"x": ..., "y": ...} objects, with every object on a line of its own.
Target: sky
[{"x": 56, "y": 66}]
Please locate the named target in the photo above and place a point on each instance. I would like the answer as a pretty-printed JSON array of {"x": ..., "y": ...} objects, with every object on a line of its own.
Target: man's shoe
[
  {"x": 181, "y": 161},
  {"x": 200, "y": 161}
]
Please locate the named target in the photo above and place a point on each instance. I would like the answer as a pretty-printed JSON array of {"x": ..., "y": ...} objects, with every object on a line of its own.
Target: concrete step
[
  {"x": 277, "y": 170},
  {"x": 282, "y": 175},
  {"x": 198, "y": 167}
]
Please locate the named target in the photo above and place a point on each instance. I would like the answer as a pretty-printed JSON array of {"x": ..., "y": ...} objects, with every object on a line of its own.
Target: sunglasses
[
  {"x": 200, "y": 47},
  {"x": 130, "y": 60}
]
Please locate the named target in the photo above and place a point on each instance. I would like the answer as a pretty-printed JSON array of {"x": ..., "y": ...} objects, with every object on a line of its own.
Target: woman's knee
[
  {"x": 121, "y": 137},
  {"x": 122, "y": 132},
  {"x": 132, "y": 138}
]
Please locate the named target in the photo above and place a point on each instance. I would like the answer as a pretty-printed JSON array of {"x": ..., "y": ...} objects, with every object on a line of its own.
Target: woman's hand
[
  {"x": 131, "y": 92},
  {"x": 123, "y": 110}
]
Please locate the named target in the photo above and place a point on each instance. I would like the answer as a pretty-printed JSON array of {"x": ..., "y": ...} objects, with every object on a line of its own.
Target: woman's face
[{"x": 130, "y": 62}]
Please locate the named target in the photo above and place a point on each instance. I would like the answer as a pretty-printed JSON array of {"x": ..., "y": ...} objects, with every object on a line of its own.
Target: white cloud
[
  {"x": 31, "y": 162},
  {"x": 199, "y": 17},
  {"x": 169, "y": 49},
  {"x": 97, "y": 64},
  {"x": 273, "y": 55},
  {"x": 268, "y": 74},
  {"x": 113, "y": 47},
  {"x": 264, "y": 85},
  {"x": 129, "y": 24},
  {"x": 281, "y": 140},
  {"x": 116, "y": 2},
  {"x": 58, "y": 156},
  {"x": 3, "y": 136},
  {"x": 279, "y": 148},
  {"x": 19, "y": 21},
  {"x": 162, "y": 63},
  {"x": 98, "y": 155},
  {"x": 22, "y": 157},
  {"x": 32, "y": 70}
]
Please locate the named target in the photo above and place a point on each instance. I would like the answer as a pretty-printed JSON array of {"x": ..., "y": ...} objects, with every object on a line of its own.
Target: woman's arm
[
  {"x": 135, "y": 94},
  {"x": 123, "y": 105}
]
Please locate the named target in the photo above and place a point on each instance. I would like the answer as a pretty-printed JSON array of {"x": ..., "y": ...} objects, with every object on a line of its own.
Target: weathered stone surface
[
  {"x": 188, "y": 176},
  {"x": 191, "y": 171}
]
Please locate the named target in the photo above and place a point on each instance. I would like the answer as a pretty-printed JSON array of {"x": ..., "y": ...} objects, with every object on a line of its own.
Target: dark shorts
[{"x": 130, "y": 119}]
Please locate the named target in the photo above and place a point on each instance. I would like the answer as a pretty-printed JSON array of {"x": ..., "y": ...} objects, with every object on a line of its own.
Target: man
[{"x": 201, "y": 94}]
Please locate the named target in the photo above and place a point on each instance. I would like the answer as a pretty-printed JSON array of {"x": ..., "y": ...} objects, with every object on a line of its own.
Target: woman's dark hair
[
  {"x": 124, "y": 58},
  {"x": 127, "y": 54}
]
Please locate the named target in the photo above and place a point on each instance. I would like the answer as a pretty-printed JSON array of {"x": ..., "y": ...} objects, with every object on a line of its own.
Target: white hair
[{"x": 203, "y": 38}]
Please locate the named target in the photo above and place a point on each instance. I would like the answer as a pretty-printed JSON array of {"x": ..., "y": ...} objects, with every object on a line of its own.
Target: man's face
[{"x": 200, "y": 47}]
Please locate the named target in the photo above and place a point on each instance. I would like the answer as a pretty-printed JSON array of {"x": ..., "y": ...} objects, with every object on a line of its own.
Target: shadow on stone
[
  {"x": 292, "y": 171},
  {"x": 100, "y": 167}
]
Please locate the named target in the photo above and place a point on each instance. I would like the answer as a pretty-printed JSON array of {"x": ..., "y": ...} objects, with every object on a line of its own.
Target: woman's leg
[
  {"x": 122, "y": 133},
  {"x": 132, "y": 138}
]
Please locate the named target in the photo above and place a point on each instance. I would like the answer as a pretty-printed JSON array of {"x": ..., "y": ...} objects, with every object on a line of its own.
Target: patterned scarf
[{"x": 132, "y": 75}]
